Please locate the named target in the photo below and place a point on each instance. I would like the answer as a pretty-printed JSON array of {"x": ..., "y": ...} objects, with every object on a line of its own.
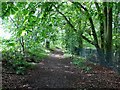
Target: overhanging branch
[
  {"x": 91, "y": 23},
  {"x": 86, "y": 39},
  {"x": 65, "y": 18}
]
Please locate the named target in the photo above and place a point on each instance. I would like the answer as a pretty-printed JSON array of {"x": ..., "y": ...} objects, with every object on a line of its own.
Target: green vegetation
[
  {"x": 33, "y": 28},
  {"x": 80, "y": 63},
  {"x": 15, "y": 60}
]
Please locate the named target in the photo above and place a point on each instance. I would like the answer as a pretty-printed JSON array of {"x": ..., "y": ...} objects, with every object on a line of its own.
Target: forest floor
[{"x": 56, "y": 71}]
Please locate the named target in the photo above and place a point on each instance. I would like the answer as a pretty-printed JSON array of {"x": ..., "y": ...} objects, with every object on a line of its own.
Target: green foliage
[
  {"x": 16, "y": 62},
  {"x": 21, "y": 66},
  {"x": 8, "y": 8},
  {"x": 63, "y": 23},
  {"x": 37, "y": 54},
  {"x": 80, "y": 62}
]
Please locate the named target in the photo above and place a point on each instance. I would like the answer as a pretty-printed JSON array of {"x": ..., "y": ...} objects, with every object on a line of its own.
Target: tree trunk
[
  {"x": 80, "y": 40},
  {"x": 47, "y": 44},
  {"x": 109, "y": 35},
  {"x": 101, "y": 21},
  {"x": 100, "y": 55},
  {"x": 105, "y": 23},
  {"x": 22, "y": 44}
]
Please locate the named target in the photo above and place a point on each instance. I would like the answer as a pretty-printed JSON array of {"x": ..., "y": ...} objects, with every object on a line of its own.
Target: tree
[
  {"x": 81, "y": 23},
  {"x": 109, "y": 34}
]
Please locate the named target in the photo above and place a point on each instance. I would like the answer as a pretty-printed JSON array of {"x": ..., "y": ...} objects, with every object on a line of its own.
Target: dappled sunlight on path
[
  {"x": 57, "y": 71},
  {"x": 57, "y": 56}
]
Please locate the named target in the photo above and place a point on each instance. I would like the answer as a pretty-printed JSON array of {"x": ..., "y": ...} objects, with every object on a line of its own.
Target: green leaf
[
  {"x": 25, "y": 12},
  {"x": 11, "y": 44},
  {"x": 12, "y": 11}
]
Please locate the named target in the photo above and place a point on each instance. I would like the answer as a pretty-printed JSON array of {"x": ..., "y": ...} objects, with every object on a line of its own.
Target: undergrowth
[
  {"x": 19, "y": 63},
  {"x": 80, "y": 63}
]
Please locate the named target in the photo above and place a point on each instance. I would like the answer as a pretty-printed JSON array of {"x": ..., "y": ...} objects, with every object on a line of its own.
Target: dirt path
[
  {"x": 58, "y": 72},
  {"x": 54, "y": 72}
]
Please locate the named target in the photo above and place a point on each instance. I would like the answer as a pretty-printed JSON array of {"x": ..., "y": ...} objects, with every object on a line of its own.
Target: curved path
[{"x": 56, "y": 71}]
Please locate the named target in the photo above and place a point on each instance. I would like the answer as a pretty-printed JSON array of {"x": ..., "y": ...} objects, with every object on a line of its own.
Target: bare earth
[{"x": 56, "y": 71}]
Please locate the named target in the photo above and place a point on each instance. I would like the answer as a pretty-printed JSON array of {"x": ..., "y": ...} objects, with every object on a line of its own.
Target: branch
[
  {"x": 66, "y": 19},
  {"x": 14, "y": 22},
  {"x": 86, "y": 39},
  {"x": 97, "y": 6},
  {"x": 91, "y": 22}
]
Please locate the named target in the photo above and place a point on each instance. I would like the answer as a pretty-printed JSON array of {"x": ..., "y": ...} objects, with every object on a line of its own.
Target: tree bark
[
  {"x": 22, "y": 45},
  {"x": 80, "y": 39},
  {"x": 101, "y": 26},
  {"x": 109, "y": 35},
  {"x": 101, "y": 21}
]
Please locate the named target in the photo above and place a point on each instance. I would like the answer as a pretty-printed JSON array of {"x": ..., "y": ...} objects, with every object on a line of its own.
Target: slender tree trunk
[
  {"x": 80, "y": 40},
  {"x": 105, "y": 23},
  {"x": 22, "y": 45},
  {"x": 80, "y": 45},
  {"x": 109, "y": 35},
  {"x": 101, "y": 21},
  {"x": 47, "y": 44}
]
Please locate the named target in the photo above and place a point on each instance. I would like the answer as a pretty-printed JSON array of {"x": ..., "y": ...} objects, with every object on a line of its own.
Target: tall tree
[{"x": 109, "y": 34}]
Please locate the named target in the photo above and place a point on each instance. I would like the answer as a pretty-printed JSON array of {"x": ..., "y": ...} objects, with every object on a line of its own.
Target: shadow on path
[
  {"x": 53, "y": 72},
  {"x": 56, "y": 71}
]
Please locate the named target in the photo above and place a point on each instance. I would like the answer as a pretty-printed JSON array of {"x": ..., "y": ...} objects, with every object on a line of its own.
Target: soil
[{"x": 56, "y": 71}]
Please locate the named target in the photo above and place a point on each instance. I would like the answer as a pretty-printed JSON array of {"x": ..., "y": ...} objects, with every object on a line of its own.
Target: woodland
[{"x": 60, "y": 45}]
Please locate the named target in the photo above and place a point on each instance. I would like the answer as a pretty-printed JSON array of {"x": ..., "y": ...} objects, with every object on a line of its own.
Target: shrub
[
  {"x": 80, "y": 63},
  {"x": 15, "y": 61}
]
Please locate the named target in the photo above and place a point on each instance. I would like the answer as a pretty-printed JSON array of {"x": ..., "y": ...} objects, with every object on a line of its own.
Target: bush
[
  {"x": 19, "y": 63},
  {"x": 80, "y": 63},
  {"x": 15, "y": 62},
  {"x": 21, "y": 66}
]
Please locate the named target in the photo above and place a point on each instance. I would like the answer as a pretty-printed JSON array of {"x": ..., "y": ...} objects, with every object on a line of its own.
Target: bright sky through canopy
[{"x": 3, "y": 33}]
